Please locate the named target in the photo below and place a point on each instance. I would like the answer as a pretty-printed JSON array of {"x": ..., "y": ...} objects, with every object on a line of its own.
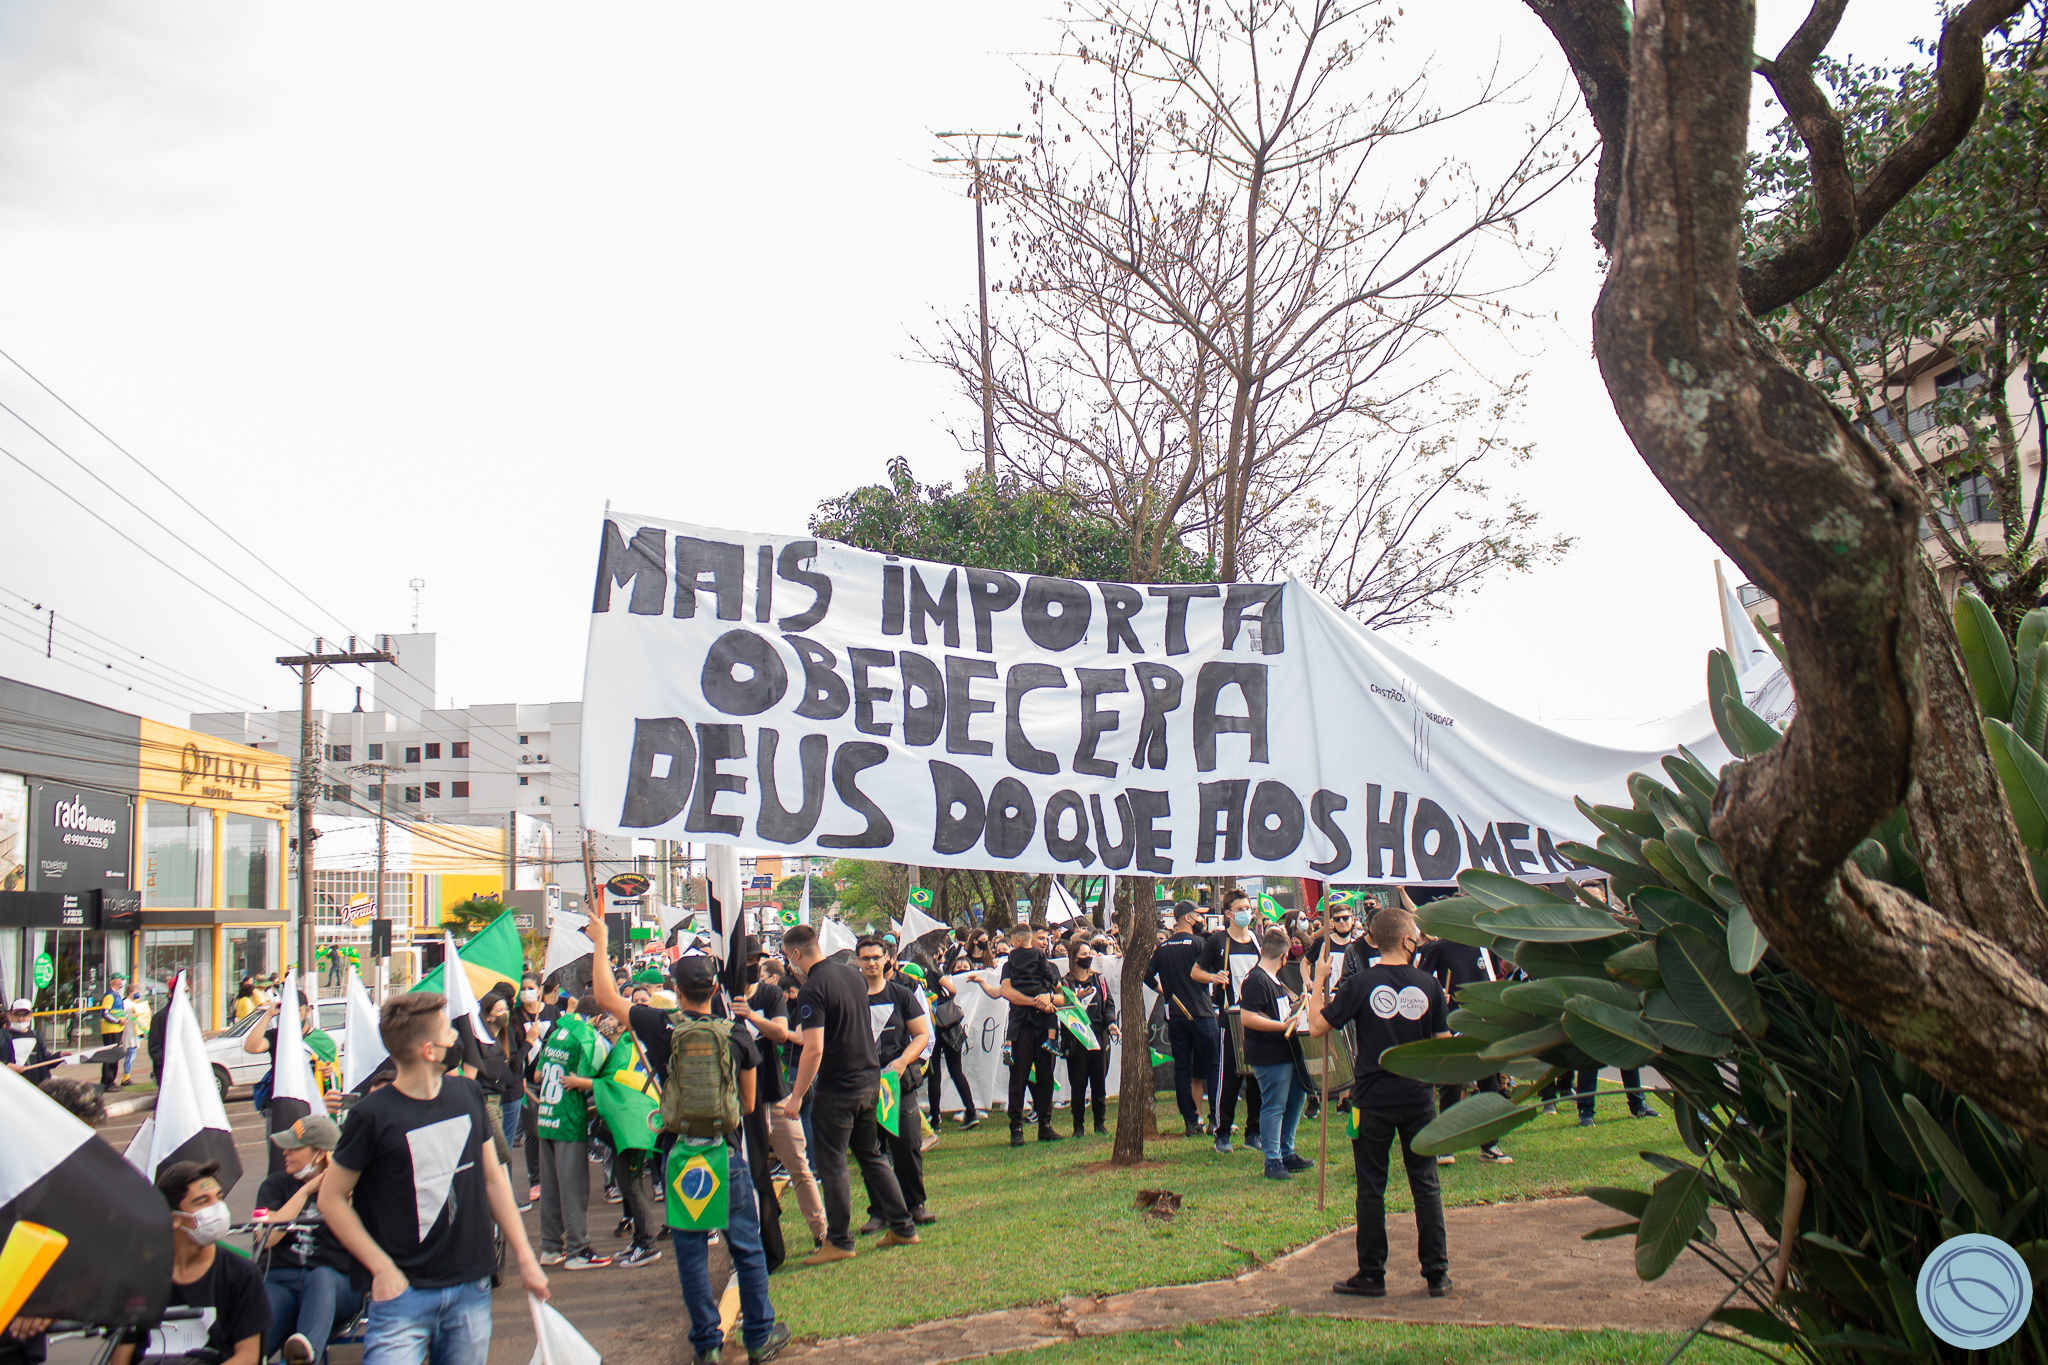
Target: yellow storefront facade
[{"x": 210, "y": 863}]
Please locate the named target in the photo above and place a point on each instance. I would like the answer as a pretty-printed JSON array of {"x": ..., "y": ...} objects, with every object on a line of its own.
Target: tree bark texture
[
  {"x": 1822, "y": 521},
  {"x": 1139, "y": 915}
]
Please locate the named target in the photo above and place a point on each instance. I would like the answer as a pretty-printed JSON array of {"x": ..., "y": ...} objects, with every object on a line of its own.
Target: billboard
[{"x": 80, "y": 839}]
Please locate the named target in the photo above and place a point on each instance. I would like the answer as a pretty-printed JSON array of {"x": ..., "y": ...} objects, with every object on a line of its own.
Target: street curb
[{"x": 120, "y": 1109}]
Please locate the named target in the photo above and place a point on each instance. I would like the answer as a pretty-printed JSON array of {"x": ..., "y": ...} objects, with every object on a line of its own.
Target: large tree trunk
[
  {"x": 1820, "y": 520},
  {"x": 1139, "y": 916}
]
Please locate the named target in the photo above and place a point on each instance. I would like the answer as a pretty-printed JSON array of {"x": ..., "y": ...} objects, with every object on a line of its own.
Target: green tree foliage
[
  {"x": 789, "y": 892},
  {"x": 999, "y": 524},
  {"x": 474, "y": 913},
  {"x": 869, "y": 890},
  {"x": 1953, "y": 284}
]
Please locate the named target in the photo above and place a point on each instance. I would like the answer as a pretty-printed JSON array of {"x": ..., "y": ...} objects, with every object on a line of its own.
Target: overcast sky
[{"x": 396, "y": 292}]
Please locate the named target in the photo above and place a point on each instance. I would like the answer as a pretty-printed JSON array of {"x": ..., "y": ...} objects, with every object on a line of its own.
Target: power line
[{"x": 197, "y": 689}]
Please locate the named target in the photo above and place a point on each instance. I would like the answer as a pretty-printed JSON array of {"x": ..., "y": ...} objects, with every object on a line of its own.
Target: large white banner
[
  {"x": 987, "y": 1022},
  {"x": 791, "y": 693}
]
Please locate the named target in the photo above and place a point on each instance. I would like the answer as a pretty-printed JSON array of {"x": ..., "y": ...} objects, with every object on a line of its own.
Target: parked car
[{"x": 232, "y": 1066}]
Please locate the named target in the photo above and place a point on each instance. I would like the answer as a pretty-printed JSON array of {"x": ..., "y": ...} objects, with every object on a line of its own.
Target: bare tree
[
  {"x": 1227, "y": 281},
  {"x": 1786, "y": 484}
]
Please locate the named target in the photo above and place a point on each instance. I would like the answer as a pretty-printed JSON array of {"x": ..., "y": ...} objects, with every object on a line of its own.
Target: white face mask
[
  {"x": 530, "y": 995},
  {"x": 209, "y": 1225},
  {"x": 1242, "y": 918},
  {"x": 308, "y": 1171}
]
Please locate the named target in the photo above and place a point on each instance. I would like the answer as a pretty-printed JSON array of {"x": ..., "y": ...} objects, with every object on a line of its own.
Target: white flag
[
  {"x": 916, "y": 924},
  {"x": 1061, "y": 906},
  {"x": 727, "y": 895},
  {"x": 294, "y": 1064},
  {"x": 363, "y": 1049},
  {"x": 803, "y": 909},
  {"x": 191, "y": 1123},
  {"x": 834, "y": 936},
  {"x": 461, "y": 995}
]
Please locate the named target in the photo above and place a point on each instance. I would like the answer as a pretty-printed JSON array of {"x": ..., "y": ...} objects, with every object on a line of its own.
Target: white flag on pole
[
  {"x": 363, "y": 1049},
  {"x": 462, "y": 1002}
]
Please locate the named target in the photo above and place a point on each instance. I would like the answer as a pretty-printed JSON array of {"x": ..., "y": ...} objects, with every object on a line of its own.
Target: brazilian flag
[
  {"x": 1271, "y": 909},
  {"x": 1347, "y": 896},
  {"x": 492, "y": 954},
  {"x": 1075, "y": 1019},
  {"x": 1351, "y": 1123},
  {"x": 921, "y": 897},
  {"x": 628, "y": 1097},
  {"x": 696, "y": 1185},
  {"x": 889, "y": 1105}
]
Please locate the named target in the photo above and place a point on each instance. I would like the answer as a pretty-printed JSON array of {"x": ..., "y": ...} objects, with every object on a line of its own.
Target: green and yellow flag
[
  {"x": 921, "y": 897},
  {"x": 492, "y": 955},
  {"x": 1346, "y": 896},
  {"x": 1075, "y": 1018},
  {"x": 1271, "y": 909},
  {"x": 628, "y": 1097},
  {"x": 696, "y": 1185},
  {"x": 889, "y": 1104}
]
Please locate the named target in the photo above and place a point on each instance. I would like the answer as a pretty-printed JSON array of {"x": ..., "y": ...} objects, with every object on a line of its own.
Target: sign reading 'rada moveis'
[{"x": 778, "y": 691}]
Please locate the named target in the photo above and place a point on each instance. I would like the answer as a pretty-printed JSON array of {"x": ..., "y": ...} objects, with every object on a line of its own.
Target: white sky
[{"x": 399, "y": 292}]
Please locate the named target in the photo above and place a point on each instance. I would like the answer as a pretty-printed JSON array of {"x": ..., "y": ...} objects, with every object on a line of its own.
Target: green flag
[
  {"x": 789, "y": 918},
  {"x": 696, "y": 1185},
  {"x": 1271, "y": 909},
  {"x": 921, "y": 897},
  {"x": 1075, "y": 1017},
  {"x": 493, "y": 954},
  {"x": 627, "y": 1097},
  {"x": 1346, "y": 896},
  {"x": 1159, "y": 1058},
  {"x": 889, "y": 1107},
  {"x": 320, "y": 1044}
]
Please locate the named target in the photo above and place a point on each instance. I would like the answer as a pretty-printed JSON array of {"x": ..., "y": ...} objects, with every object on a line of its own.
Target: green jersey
[{"x": 572, "y": 1048}]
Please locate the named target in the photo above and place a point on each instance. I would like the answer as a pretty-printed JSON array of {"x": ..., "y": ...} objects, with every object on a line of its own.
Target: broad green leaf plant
[{"x": 1835, "y": 1163}]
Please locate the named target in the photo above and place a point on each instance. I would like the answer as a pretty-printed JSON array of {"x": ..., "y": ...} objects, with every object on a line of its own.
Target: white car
[{"x": 232, "y": 1066}]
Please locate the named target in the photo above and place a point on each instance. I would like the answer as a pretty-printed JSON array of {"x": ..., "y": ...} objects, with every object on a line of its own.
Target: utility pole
[
  {"x": 383, "y": 772},
  {"x": 988, "y": 398},
  {"x": 310, "y": 666}
]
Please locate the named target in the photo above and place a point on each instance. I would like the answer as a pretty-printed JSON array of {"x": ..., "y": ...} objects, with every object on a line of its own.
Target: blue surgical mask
[{"x": 1241, "y": 918}]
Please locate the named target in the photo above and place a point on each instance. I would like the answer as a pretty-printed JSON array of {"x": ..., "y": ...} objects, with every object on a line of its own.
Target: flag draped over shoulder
[
  {"x": 627, "y": 1095},
  {"x": 1074, "y": 1017},
  {"x": 493, "y": 954},
  {"x": 116, "y": 1265}
]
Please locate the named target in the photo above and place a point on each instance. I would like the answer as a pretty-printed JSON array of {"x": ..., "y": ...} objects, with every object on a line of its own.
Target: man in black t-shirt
[
  {"x": 901, "y": 1028},
  {"x": 839, "y": 1058},
  {"x": 233, "y": 1311},
  {"x": 1455, "y": 965},
  {"x": 1027, "y": 984},
  {"x": 1192, "y": 1032},
  {"x": 1232, "y": 954},
  {"x": 1392, "y": 1003},
  {"x": 412, "y": 1192},
  {"x": 767, "y": 1011}
]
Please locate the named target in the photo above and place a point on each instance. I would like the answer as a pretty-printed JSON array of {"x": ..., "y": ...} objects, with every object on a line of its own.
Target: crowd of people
[{"x": 399, "y": 1209}]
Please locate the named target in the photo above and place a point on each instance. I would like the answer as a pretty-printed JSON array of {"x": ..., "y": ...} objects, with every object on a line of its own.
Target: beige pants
[{"x": 786, "y": 1137}]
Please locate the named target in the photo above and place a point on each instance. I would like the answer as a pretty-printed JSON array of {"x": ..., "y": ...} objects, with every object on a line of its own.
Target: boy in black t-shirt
[
  {"x": 412, "y": 1191},
  {"x": 234, "y": 1312},
  {"x": 1392, "y": 1003}
]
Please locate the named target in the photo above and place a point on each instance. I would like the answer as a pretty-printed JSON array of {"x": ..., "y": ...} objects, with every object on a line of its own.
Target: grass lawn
[
  {"x": 1030, "y": 1225},
  {"x": 1333, "y": 1341}
]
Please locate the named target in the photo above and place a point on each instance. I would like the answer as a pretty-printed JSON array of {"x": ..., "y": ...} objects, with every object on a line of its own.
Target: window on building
[
  {"x": 459, "y": 749},
  {"x": 459, "y": 789},
  {"x": 543, "y": 800},
  {"x": 412, "y": 795},
  {"x": 373, "y": 794},
  {"x": 412, "y": 753},
  {"x": 433, "y": 751},
  {"x": 522, "y": 781},
  {"x": 522, "y": 739},
  {"x": 177, "y": 856},
  {"x": 376, "y": 753},
  {"x": 248, "y": 862},
  {"x": 333, "y": 890},
  {"x": 337, "y": 792},
  {"x": 340, "y": 753},
  {"x": 433, "y": 791}
]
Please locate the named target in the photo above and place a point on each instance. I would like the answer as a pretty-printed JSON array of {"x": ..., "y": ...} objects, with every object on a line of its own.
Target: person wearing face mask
[
  {"x": 1088, "y": 1070},
  {"x": 25, "y": 1054},
  {"x": 308, "y": 1279},
  {"x": 1231, "y": 955},
  {"x": 536, "y": 1015},
  {"x": 235, "y": 1310}
]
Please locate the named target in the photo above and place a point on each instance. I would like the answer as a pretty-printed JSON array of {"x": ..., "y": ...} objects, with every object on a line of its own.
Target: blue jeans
[
  {"x": 743, "y": 1241},
  {"x": 450, "y": 1325},
  {"x": 513, "y": 1109},
  {"x": 1281, "y": 1096},
  {"x": 310, "y": 1300},
  {"x": 1197, "y": 1048}
]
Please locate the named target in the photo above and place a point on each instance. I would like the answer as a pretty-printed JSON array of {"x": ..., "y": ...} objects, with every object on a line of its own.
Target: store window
[
  {"x": 177, "y": 856},
  {"x": 248, "y": 862},
  {"x": 251, "y": 952},
  {"x": 165, "y": 953}
]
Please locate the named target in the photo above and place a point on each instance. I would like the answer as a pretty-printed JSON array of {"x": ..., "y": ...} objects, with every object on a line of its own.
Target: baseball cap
[
  {"x": 1183, "y": 909},
  {"x": 694, "y": 971},
  {"x": 20, "y": 1007},
  {"x": 314, "y": 1130}
]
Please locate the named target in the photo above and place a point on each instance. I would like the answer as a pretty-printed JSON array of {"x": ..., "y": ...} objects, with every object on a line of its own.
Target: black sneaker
[
  {"x": 1440, "y": 1286},
  {"x": 1100, "y": 1131},
  {"x": 923, "y": 1217},
  {"x": 1642, "y": 1112},
  {"x": 1297, "y": 1163},
  {"x": 1194, "y": 1130},
  {"x": 1361, "y": 1286},
  {"x": 710, "y": 1357},
  {"x": 1048, "y": 1135},
  {"x": 970, "y": 1124},
  {"x": 1016, "y": 1137},
  {"x": 873, "y": 1225},
  {"x": 778, "y": 1337},
  {"x": 1585, "y": 1120}
]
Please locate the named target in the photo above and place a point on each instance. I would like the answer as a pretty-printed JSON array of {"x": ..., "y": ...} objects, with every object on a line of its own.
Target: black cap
[
  {"x": 695, "y": 970},
  {"x": 752, "y": 949},
  {"x": 1182, "y": 909}
]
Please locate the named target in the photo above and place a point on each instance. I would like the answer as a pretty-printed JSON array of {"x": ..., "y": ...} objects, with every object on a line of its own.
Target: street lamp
[{"x": 988, "y": 401}]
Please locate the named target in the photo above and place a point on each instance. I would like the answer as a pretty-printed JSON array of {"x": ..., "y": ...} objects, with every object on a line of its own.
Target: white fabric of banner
[
  {"x": 987, "y": 1021},
  {"x": 834, "y": 936},
  {"x": 791, "y": 693},
  {"x": 462, "y": 1001}
]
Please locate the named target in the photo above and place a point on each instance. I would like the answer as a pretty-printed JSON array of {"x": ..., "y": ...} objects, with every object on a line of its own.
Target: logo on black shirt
[{"x": 1410, "y": 1002}]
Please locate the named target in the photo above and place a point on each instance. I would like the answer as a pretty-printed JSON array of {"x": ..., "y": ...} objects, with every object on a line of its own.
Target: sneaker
[
  {"x": 716, "y": 1239},
  {"x": 1491, "y": 1152},
  {"x": 827, "y": 1254},
  {"x": 1447, "y": 1160},
  {"x": 778, "y": 1337},
  {"x": 923, "y": 1217},
  {"x": 1361, "y": 1286},
  {"x": 1194, "y": 1130},
  {"x": 638, "y": 1256},
  {"x": 872, "y": 1226},
  {"x": 1016, "y": 1137},
  {"x": 1440, "y": 1287},
  {"x": 1585, "y": 1120},
  {"x": 1253, "y": 1143},
  {"x": 931, "y": 1140},
  {"x": 297, "y": 1350},
  {"x": 1550, "y": 1109},
  {"x": 1643, "y": 1112},
  {"x": 552, "y": 1258},
  {"x": 524, "y": 1207},
  {"x": 1100, "y": 1130},
  {"x": 624, "y": 1229},
  {"x": 1296, "y": 1162},
  {"x": 1049, "y": 1135},
  {"x": 1223, "y": 1145},
  {"x": 1276, "y": 1171},
  {"x": 612, "y": 1195},
  {"x": 968, "y": 1125},
  {"x": 710, "y": 1357},
  {"x": 896, "y": 1239},
  {"x": 588, "y": 1260}
]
